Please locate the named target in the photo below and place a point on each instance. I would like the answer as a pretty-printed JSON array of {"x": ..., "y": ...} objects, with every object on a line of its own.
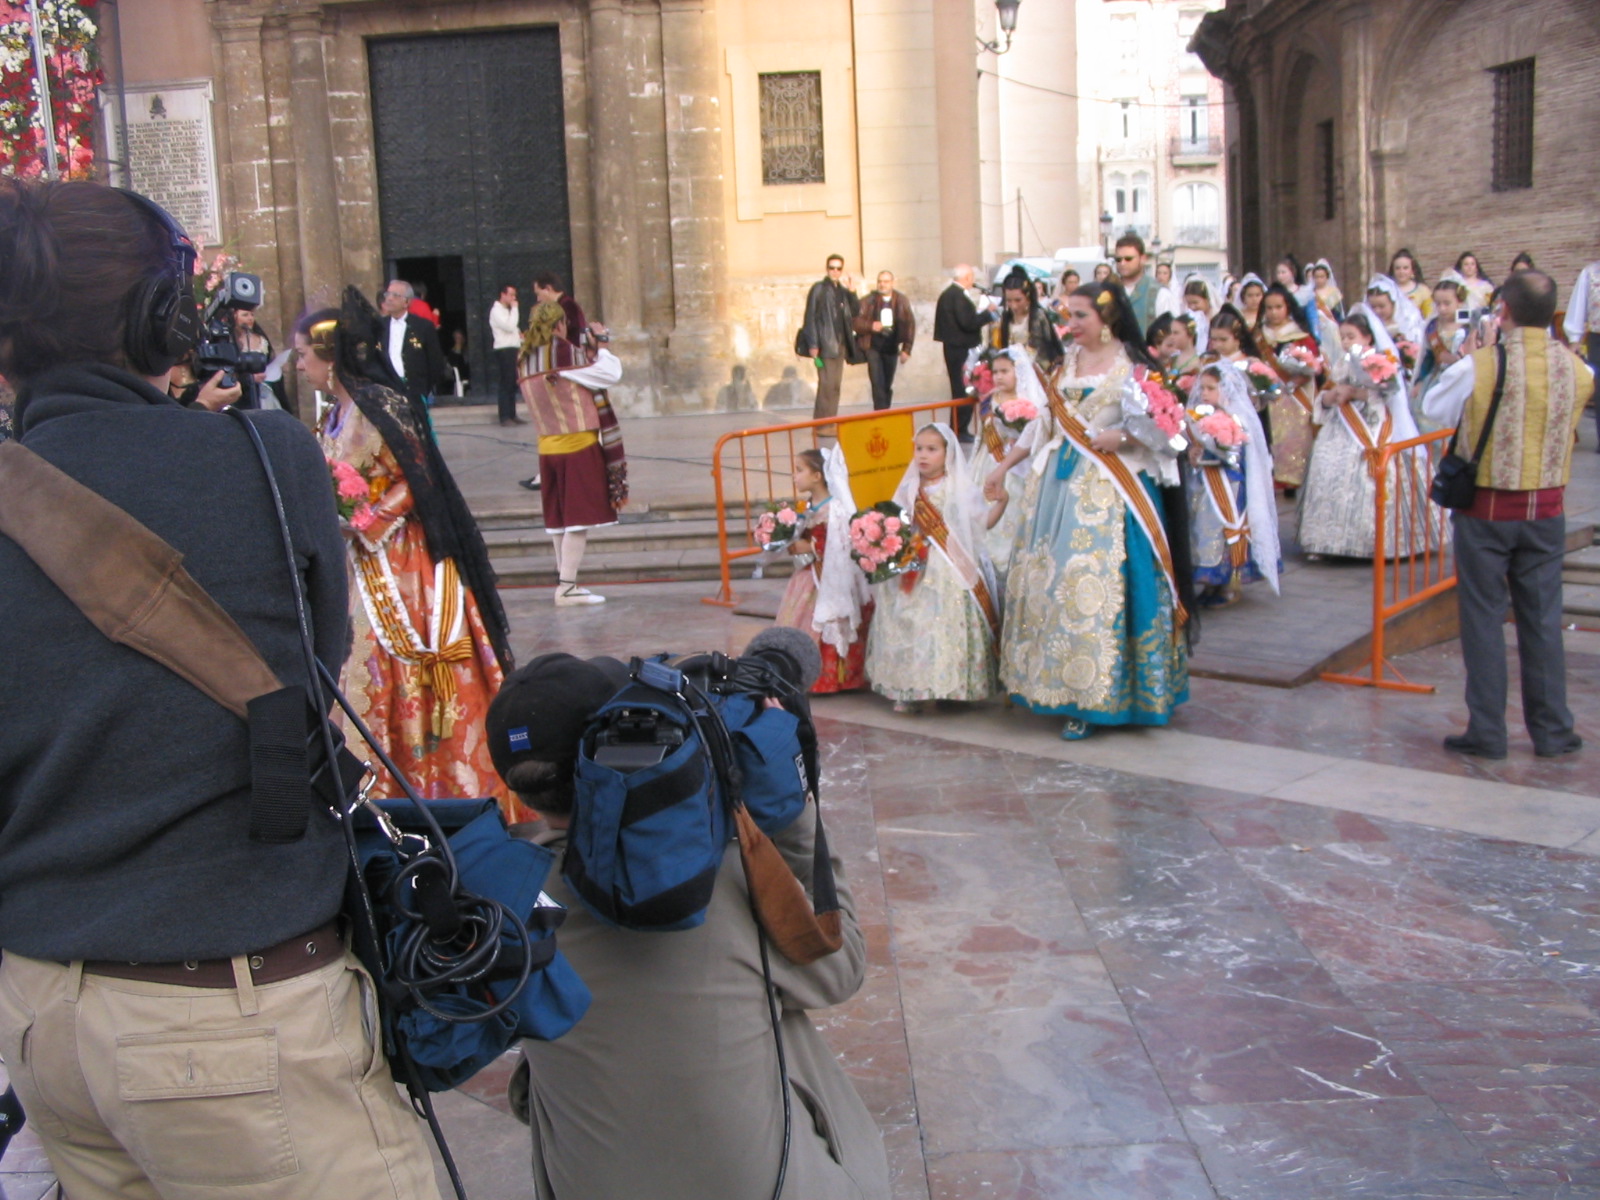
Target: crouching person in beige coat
[{"x": 669, "y": 1088}]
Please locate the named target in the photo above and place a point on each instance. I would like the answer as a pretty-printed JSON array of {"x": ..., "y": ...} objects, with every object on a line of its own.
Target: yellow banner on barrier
[{"x": 877, "y": 453}]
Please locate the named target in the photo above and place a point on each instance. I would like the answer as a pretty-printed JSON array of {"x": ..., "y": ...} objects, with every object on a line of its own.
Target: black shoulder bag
[{"x": 1455, "y": 481}]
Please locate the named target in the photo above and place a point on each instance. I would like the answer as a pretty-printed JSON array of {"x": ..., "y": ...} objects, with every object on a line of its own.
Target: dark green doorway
[{"x": 470, "y": 138}]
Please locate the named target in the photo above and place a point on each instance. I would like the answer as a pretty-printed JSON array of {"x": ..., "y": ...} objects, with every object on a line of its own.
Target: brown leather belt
[{"x": 286, "y": 960}]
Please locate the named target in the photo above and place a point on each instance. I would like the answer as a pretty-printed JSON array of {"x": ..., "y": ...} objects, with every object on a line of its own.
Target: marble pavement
[{"x": 1286, "y": 949}]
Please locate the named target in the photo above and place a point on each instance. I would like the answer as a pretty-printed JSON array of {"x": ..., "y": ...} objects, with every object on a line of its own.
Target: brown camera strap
[{"x": 128, "y": 581}]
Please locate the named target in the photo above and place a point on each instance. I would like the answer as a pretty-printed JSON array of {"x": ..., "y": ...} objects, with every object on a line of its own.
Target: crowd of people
[
  {"x": 177, "y": 974},
  {"x": 1131, "y": 445}
]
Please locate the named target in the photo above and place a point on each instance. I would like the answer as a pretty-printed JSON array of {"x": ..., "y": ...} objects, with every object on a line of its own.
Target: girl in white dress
[
  {"x": 936, "y": 630},
  {"x": 1014, "y": 379}
]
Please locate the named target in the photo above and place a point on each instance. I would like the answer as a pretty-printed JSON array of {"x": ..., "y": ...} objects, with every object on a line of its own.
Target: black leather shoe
[
  {"x": 1571, "y": 746},
  {"x": 1462, "y": 744},
  {"x": 531, "y": 484}
]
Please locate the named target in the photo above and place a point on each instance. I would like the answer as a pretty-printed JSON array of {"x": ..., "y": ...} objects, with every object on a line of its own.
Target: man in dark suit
[
  {"x": 411, "y": 344},
  {"x": 958, "y": 326}
]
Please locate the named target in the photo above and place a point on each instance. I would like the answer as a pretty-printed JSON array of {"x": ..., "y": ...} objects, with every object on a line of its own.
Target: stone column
[
  {"x": 698, "y": 349},
  {"x": 611, "y": 167},
  {"x": 1356, "y": 58},
  {"x": 316, "y": 186}
]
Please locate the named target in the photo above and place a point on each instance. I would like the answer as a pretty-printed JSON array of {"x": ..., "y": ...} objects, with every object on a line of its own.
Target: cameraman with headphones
[
  {"x": 669, "y": 1088},
  {"x": 177, "y": 1012}
]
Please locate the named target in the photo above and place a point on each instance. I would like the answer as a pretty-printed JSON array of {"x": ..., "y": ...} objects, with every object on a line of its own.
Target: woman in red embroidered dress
[
  {"x": 430, "y": 647},
  {"x": 827, "y": 598}
]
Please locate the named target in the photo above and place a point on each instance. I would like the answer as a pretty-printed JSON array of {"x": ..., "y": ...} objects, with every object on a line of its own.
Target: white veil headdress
[
  {"x": 1406, "y": 313},
  {"x": 1261, "y": 503},
  {"x": 1202, "y": 318},
  {"x": 963, "y": 510},
  {"x": 842, "y": 588},
  {"x": 1029, "y": 387},
  {"x": 1403, "y": 425}
]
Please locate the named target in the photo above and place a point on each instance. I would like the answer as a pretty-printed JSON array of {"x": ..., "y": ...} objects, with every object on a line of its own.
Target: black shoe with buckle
[{"x": 1463, "y": 743}]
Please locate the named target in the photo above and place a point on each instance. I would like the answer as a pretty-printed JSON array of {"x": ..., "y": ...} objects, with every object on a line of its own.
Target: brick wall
[{"x": 1446, "y": 202}]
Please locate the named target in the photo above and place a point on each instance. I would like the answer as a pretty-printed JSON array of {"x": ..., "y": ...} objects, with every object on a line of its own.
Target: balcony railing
[
  {"x": 1199, "y": 235},
  {"x": 1204, "y": 146}
]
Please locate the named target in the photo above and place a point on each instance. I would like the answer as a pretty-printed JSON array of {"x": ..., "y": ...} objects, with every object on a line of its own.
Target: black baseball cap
[{"x": 541, "y": 710}]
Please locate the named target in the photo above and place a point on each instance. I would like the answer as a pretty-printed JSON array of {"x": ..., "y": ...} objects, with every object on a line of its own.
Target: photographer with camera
[
  {"x": 177, "y": 1013},
  {"x": 682, "y": 1082}
]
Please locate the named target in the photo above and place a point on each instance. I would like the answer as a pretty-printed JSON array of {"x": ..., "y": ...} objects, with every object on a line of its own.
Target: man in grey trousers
[{"x": 1514, "y": 534}]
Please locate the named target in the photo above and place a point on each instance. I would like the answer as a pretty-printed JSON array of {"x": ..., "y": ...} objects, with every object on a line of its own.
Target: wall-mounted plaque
[{"x": 169, "y": 151}]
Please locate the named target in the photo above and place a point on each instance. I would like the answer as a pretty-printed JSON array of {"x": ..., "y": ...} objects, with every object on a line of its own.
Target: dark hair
[
  {"x": 1018, "y": 281},
  {"x": 1231, "y": 319},
  {"x": 1073, "y": 271},
  {"x": 545, "y": 787},
  {"x": 832, "y": 257},
  {"x": 1530, "y": 297},
  {"x": 1526, "y": 261},
  {"x": 1111, "y": 306},
  {"x": 71, "y": 255},
  {"x": 1198, "y": 287},
  {"x": 1294, "y": 265},
  {"x": 1247, "y": 284},
  {"x": 1477, "y": 263},
  {"x": 813, "y": 459},
  {"x": 1416, "y": 268},
  {"x": 504, "y": 288},
  {"x": 1296, "y": 313},
  {"x": 1359, "y": 321},
  {"x": 1159, "y": 328},
  {"x": 547, "y": 279},
  {"x": 1460, "y": 289},
  {"x": 1131, "y": 239}
]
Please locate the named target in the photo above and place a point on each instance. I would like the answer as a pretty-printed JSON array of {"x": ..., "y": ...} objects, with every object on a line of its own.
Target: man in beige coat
[{"x": 668, "y": 1089}]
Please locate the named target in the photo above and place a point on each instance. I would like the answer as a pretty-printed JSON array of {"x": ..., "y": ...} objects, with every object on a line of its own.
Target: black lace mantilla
[{"x": 447, "y": 522}]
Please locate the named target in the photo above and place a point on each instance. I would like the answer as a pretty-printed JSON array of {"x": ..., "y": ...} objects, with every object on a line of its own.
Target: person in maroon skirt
[{"x": 581, "y": 459}]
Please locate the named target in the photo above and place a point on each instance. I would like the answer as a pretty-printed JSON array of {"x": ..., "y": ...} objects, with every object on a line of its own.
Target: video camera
[
  {"x": 780, "y": 663},
  {"x": 218, "y": 351}
]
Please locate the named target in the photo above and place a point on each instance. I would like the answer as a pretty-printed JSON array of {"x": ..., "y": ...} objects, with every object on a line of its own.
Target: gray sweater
[{"x": 124, "y": 792}]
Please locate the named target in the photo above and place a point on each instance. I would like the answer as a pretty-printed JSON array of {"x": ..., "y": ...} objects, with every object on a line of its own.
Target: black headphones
[{"x": 163, "y": 321}]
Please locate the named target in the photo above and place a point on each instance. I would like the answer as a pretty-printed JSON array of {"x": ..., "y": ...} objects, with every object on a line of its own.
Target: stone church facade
[
  {"x": 1358, "y": 127},
  {"x": 627, "y": 145}
]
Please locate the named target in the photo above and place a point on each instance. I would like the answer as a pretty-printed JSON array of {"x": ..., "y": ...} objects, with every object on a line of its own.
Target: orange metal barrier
[
  {"x": 1411, "y": 560},
  {"x": 763, "y": 465}
]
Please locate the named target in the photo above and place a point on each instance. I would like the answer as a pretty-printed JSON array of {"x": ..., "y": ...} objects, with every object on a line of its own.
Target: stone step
[
  {"x": 531, "y": 516},
  {"x": 512, "y": 542},
  {"x": 633, "y": 566}
]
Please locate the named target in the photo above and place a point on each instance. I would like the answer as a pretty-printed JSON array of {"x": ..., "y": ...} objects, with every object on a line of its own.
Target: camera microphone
[{"x": 789, "y": 653}]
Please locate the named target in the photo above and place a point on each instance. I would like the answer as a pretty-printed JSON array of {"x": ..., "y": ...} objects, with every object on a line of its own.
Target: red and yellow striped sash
[{"x": 930, "y": 523}]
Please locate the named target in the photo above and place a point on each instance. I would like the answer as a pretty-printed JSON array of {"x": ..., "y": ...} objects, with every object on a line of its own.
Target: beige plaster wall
[{"x": 164, "y": 41}]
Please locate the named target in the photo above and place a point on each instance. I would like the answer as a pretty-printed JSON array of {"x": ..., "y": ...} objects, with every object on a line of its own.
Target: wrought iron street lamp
[{"x": 1006, "y": 15}]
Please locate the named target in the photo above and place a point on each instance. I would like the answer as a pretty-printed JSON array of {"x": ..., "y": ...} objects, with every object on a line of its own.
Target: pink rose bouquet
[
  {"x": 1301, "y": 360},
  {"x": 777, "y": 527},
  {"x": 1014, "y": 414},
  {"x": 884, "y": 543},
  {"x": 1223, "y": 428},
  {"x": 1408, "y": 353},
  {"x": 1378, "y": 365},
  {"x": 1165, "y": 410},
  {"x": 980, "y": 380},
  {"x": 1263, "y": 379},
  {"x": 350, "y": 490}
]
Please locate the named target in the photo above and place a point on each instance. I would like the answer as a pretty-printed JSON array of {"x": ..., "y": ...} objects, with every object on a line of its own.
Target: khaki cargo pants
[{"x": 147, "y": 1091}]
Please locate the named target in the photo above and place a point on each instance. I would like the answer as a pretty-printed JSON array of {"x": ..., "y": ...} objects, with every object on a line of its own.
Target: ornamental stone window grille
[{"x": 791, "y": 128}]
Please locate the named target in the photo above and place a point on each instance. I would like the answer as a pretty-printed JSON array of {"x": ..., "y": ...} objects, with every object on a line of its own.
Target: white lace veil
[
  {"x": 1403, "y": 424},
  {"x": 1406, "y": 313},
  {"x": 1028, "y": 386},
  {"x": 842, "y": 588},
  {"x": 1261, "y": 503},
  {"x": 964, "y": 509}
]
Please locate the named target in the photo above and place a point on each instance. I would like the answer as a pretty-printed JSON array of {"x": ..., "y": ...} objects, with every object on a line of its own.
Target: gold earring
[{"x": 1105, "y": 334}]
